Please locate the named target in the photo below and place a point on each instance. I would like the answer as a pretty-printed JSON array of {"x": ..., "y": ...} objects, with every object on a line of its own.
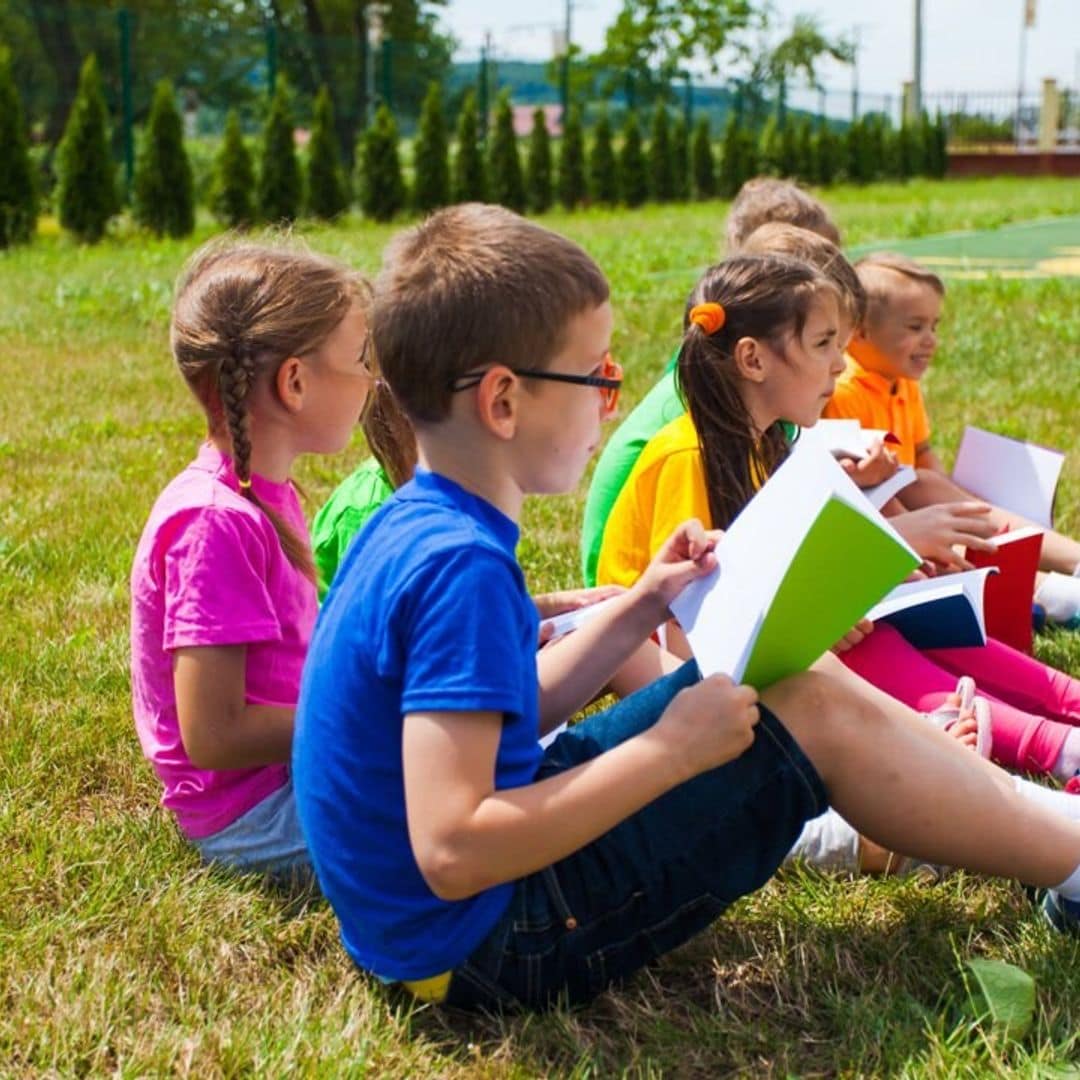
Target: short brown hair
[
  {"x": 874, "y": 273},
  {"x": 777, "y": 237},
  {"x": 767, "y": 199},
  {"x": 472, "y": 286}
]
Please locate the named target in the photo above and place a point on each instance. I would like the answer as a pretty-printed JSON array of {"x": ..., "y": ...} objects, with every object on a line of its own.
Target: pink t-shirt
[{"x": 209, "y": 570}]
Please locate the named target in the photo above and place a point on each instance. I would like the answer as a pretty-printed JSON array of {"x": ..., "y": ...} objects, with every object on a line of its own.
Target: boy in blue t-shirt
[{"x": 460, "y": 858}]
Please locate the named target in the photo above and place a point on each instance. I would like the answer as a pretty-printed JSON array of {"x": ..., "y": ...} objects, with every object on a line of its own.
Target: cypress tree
[
  {"x": 505, "y": 182},
  {"x": 633, "y": 169},
  {"x": 771, "y": 148},
  {"x": 826, "y": 155},
  {"x": 934, "y": 145},
  {"x": 18, "y": 194},
  {"x": 432, "y": 165},
  {"x": 789, "y": 149},
  {"x": 731, "y": 178},
  {"x": 382, "y": 188},
  {"x": 538, "y": 183},
  {"x": 905, "y": 152},
  {"x": 163, "y": 196},
  {"x": 856, "y": 165},
  {"x": 468, "y": 180},
  {"x": 680, "y": 158},
  {"x": 278, "y": 192},
  {"x": 327, "y": 190},
  {"x": 661, "y": 165},
  {"x": 573, "y": 187},
  {"x": 603, "y": 168},
  {"x": 234, "y": 178},
  {"x": 704, "y": 163},
  {"x": 804, "y": 152},
  {"x": 86, "y": 193}
]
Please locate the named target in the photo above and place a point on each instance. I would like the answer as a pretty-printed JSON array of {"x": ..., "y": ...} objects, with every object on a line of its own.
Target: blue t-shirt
[{"x": 428, "y": 612}]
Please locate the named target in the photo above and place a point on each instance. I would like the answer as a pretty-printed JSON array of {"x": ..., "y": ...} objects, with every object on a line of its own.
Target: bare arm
[
  {"x": 467, "y": 836},
  {"x": 218, "y": 728}
]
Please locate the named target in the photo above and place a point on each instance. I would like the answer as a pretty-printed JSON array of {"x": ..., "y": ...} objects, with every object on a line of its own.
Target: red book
[{"x": 1011, "y": 592}]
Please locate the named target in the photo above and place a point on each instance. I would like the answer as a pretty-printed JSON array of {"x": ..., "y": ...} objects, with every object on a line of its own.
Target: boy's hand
[
  {"x": 687, "y": 554},
  {"x": 874, "y": 469},
  {"x": 709, "y": 724},
  {"x": 555, "y": 603},
  {"x": 852, "y": 638},
  {"x": 933, "y": 531}
]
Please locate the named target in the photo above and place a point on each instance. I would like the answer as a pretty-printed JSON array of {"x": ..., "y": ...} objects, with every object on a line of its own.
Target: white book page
[
  {"x": 881, "y": 493},
  {"x": 844, "y": 437},
  {"x": 1018, "y": 476},
  {"x": 567, "y": 621}
]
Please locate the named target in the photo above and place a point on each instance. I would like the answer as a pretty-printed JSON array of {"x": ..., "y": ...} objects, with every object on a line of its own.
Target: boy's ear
[
  {"x": 498, "y": 401},
  {"x": 859, "y": 334},
  {"x": 750, "y": 359},
  {"x": 289, "y": 383}
]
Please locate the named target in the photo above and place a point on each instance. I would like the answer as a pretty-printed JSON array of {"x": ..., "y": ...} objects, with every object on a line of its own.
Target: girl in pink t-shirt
[{"x": 274, "y": 344}]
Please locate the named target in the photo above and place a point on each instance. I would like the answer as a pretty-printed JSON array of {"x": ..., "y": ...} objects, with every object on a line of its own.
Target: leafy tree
[
  {"x": 799, "y": 52},
  {"x": 468, "y": 180},
  {"x": 507, "y": 186},
  {"x": 633, "y": 168},
  {"x": 327, "y": 189},
  {"x": 539, "y": 188},
  {"x": 603, "y": 168},
  {"x": 279, "y": 188},
  {"x": 827, "y": 149},
  {"x": 18, "y": 195},
  {"x": 680, "y": 158},
  {"x": 432, "y": 164},
  {"x": 573, "y": 186},
  {"x": 234, "y": 178},
  {"x": 86, "y": 195},
  {"x": 771, "y": 148},
  {"x": 382, "y": 188},
  {"x": 703, "y": 159},
  {"x": 661, "y": 166},
  {"x": 163, "y": 196}
]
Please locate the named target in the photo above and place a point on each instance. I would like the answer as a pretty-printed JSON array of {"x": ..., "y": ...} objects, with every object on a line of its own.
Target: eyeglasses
[{"x": 608, "y": 382}]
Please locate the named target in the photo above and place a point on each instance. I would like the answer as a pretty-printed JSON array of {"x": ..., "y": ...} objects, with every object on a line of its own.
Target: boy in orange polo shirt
[{"x": 887, "y": 356}]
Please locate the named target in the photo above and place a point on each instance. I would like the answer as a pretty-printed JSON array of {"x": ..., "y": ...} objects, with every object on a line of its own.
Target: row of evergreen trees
[{"x": 607, "y": 169}]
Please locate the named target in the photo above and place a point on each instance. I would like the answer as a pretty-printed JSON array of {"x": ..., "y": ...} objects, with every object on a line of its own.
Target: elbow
[{"x": 447, "y": 873}]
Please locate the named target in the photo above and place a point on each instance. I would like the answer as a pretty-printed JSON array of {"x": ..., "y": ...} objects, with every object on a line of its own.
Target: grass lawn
[{"x": 121, "y": 955}]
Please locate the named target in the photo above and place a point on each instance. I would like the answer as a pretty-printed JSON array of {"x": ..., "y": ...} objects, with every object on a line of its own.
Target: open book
[
  {"x": 845, "y": 438},
  {"x": 939, "y": 613},
  {"x": 1010, "y": 592},
  {"x": 1017, "y": 476},
  {"x": 804, "y": 561}
]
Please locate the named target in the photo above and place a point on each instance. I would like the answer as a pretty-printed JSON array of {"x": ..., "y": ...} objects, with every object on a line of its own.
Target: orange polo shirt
[{"x": 877, "y": 401}]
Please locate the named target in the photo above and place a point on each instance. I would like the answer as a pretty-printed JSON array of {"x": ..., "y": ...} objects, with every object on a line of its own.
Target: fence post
[
  {"x": 1049, "y": 116},
  {"x": 123, "y": 18},
  {"x": 271, "y": 57}
]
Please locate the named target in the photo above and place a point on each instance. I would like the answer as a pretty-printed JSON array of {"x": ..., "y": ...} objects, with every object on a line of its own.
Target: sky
[{"x": 968, "y": 45}]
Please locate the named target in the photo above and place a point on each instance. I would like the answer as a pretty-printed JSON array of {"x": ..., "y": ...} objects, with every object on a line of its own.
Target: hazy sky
[{"x": 969, "y": 45}]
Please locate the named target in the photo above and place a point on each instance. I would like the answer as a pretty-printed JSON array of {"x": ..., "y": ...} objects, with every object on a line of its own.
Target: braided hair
[
  {"x": 763, "y": 296},
  {"x": 241, "y": 310}
]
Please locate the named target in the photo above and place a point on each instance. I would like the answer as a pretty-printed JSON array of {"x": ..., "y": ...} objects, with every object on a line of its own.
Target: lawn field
[{"x": 120, "y": 955}]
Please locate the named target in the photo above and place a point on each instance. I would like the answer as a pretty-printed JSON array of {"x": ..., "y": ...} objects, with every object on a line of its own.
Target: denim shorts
[
  {"x": 266, "y": 839},
  {"x": 654, "y": 881}
]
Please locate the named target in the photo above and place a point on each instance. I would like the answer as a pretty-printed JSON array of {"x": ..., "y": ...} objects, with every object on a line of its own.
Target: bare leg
[
  {"x": 1059, "y": 552},
  {"x": 914, "y": 789}
]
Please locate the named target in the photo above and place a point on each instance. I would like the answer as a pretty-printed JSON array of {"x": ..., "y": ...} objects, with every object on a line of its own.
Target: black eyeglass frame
[{"x": 601, "y": 382}]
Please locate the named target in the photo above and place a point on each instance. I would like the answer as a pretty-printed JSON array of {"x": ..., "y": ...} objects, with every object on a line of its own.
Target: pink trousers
[{"x": 1033, "y": 706}]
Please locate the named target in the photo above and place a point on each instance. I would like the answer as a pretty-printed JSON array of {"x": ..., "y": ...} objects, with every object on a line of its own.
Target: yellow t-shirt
[
  {"x": 878, "y": 402},
  {"x": 665, "y": 487}
]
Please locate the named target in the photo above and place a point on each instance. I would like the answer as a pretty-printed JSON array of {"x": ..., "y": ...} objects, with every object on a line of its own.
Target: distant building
[{"x": 523, "y": 118}]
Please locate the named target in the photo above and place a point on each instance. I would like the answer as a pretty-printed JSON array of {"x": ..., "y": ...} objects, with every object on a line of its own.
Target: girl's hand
[
  {"x": 708, "y": 724},
  {"x": 555, "y": 603},
  {"x": 687, "y": 554},
  {"x": 852, "y": 638},
  {"x": 934, "y": 531},
  {"x": 877, "y": 467}
]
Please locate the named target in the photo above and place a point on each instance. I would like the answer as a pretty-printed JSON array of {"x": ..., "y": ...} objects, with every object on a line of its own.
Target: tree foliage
[
  {"x": 680, "y": 158},
  {"x": 327, "y": 189},
  {"x": 431, "y": 164},
  {"x": 633, "y": 168},
  {"x": 382, "y": 187},
  {"x": 703, "y": 160},
  {"x": 163, "y": 197},
  {"x": 86, "y": 194},
  {"x": 280, "y": 185},
  {"x": 468, "y": 181},
  {"x": 538, "y": 182},
  {"x": 661, "y": 167},
  {"x": 18, "y": 193},
  {"x": 234, "y": 179},
  {"x": 573, "y": 185},
  {"x": 603, "y": 168},
  {"x": 506, "y": 185}
]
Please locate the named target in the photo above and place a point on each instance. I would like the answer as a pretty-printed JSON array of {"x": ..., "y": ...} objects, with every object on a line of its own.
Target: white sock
[
  {"x": 1070, "y": 887},
  {"x": 1068, "y": 763},
  {"x": 1059, "y": 594},
  {"x": 829, "y": 843},
  {"x": 1057, "y": 802}
]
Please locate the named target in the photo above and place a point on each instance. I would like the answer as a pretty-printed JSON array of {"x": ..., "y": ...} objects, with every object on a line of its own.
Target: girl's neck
[{"x": 271, "y": 460}]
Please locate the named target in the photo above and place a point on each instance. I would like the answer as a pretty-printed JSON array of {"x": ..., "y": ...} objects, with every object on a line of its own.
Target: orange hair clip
[{"x": 709, "y": 316}]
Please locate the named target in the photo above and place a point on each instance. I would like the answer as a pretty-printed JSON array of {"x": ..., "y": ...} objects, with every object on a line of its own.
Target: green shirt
[{"x": 354, "y": 500}]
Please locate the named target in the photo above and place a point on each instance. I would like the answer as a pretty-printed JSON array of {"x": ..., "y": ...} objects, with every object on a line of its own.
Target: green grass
[{"x": 121, "y": 955}]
